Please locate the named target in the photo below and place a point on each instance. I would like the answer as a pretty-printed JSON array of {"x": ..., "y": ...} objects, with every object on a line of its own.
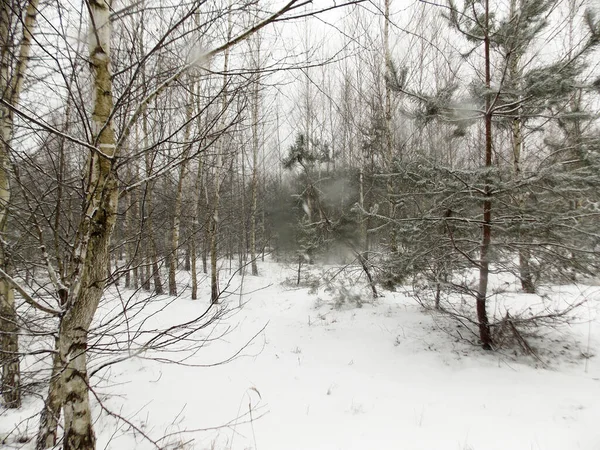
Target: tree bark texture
[
  {"x": 255, "y": 146},
  {"x": 484, "y": 260},
  {"x": 50, "y": 415},
  {"x": 11, "y": 83},
  {"x": 198, "y": 188},
  {"x": 175, "y": 230},
  {"x": 93, "y": 238},
  {"x": 214, "y": 217}
]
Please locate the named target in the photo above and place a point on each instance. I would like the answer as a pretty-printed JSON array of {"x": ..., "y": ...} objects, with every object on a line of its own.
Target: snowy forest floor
[{"x": 310, "y": 371}]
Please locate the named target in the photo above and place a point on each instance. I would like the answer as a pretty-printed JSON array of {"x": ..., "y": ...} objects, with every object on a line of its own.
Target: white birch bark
[
  {"x": 87, "y": 265},
  {"x": 11, "y": 83},
  {"x": 92, "y": 247}
]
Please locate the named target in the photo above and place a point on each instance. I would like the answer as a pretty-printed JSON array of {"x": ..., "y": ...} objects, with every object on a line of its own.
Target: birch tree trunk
[
  {"x": 132, "y": 247},
  {"x": 173, "y": 260},
  {"x": 50, "y": 415},
  {"x": 212, "y": 236},
  {"x": 92, "y": 246},
  {"x": 195, "y": 224},
  {"x": 9, "y": 341},
  {"x": 90, "y": 250},
  {"x": 255, "y": 145},
  {"x": 214, "y": 217},
  {"x": 10, "y": 89},
  {"x": 145, "y": 271},
  {"x": 243, "y": 236},
  {"x": 152, "y": 266}
]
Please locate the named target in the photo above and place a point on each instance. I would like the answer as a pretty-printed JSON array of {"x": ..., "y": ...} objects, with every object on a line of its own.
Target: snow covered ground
[{"x": 312, "y": 376}]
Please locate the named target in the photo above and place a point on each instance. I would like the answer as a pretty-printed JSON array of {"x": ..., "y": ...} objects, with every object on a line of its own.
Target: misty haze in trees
[{"x": 430, "y": 146}]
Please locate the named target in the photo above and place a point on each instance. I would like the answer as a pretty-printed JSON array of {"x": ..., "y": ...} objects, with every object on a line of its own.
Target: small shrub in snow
[{"x": 339, "y": 294}]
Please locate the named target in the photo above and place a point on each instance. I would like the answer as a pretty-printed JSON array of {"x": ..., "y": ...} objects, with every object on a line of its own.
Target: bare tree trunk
[
  {"x": 145, "y": 271},
  {"x": 155, "y": 266},
  {"x": 363, "y": 223},
  {"x": 132, "y": 246},
  {"x": 127, "y": 270},
  {"x": 10, "y": 91},
  {"x": 79, "y": 433},
  {"x": 214, "y": 270},
  {"x": 11, "y": 385},
  {"x": 187, "y": 259},
  {"x": 193, "y": 268},
  {"x": 10, "y": 371},
  {"x": 152, "y": 265},
  {"x": 214, "y": 217},
  {"x": 262, "y": 222},
  {"x": 244, "y": 234},
  {"x": 255, "y": 145},
  {"x": 152, "y": 268},
  {"x": 484, "y": 263},
  {"x": 91, "y": 251},
  {"x": 205, "y": 251},
  {"x": 195, "y": 224},
  {"x": 198, "y": 187},
  {"x": 50, "y": 415},
  {"x": 174, "y": 259}
]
